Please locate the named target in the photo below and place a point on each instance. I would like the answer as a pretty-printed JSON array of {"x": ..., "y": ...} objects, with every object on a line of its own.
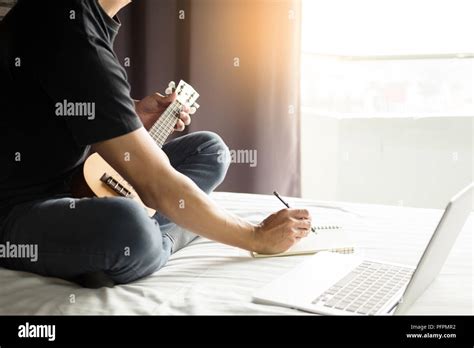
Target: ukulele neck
[{"x": 163, "y": 128}]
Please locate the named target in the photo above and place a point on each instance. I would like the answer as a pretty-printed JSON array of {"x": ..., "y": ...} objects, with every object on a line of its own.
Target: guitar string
[
  {"x": 159, "y": 128},
  {"x": 166, "y": 127},
  {"x": 170, "y": 120},
  {"x": 159, "y": 124}
]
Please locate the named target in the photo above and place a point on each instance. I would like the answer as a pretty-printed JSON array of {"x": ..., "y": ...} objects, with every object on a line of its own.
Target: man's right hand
[{"x": 281, "y": 230}]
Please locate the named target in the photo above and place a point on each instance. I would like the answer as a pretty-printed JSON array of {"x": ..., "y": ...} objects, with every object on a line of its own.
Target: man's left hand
[{"x": 152, "y": 107}]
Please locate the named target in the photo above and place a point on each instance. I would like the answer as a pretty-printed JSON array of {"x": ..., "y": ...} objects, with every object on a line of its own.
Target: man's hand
[
  {"x": 280, "y": 231},
  {"x": 152, "y": 107}
]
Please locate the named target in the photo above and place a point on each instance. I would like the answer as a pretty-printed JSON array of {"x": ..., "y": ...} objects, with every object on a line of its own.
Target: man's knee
[
  {"x": 213, "y": 145},
  {"x": 129, "y": 223}
]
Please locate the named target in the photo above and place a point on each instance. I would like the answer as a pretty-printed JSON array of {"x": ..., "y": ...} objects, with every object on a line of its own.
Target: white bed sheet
[{"x": 208, "y": 278}]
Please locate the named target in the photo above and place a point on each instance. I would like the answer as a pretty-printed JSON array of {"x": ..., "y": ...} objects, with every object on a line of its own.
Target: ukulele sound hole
[{"x": 116, "y": 186}]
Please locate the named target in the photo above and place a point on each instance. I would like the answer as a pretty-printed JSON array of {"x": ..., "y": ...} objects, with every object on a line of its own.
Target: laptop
[{"x": 335, "y": 284}]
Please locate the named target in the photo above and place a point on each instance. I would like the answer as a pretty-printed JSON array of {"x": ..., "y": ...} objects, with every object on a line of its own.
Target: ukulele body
[{"x": 102, "y": 181}]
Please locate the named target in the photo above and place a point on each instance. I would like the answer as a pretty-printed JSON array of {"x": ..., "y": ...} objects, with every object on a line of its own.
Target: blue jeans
[{"x": 110, "y": 239}]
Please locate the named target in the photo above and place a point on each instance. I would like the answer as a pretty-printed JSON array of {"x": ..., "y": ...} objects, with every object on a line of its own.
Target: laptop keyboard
[{"x": 366, "y": 289}]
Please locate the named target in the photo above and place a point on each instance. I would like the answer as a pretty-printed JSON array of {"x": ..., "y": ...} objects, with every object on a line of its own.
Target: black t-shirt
[{"x": 61, "y": 90}]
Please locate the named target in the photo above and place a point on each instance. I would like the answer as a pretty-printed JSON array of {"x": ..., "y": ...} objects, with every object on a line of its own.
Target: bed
[{"x": 207, "y": 278}]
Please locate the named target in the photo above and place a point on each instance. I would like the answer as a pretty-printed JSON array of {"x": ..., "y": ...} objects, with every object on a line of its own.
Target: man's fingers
[
  {"x": 185, "y": 118},
  {"x": 300, "y": 233},
  {"x": 300, "y": 213},
  {"x": 300, "y": 227},
  {"x": 165, "y": 100},
  {"x": 304, "y": 224},
  {"x": 180, "y": 126}
]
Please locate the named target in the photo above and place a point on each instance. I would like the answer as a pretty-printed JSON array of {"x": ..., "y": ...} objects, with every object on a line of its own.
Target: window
[{"x": 387, "y": 58}]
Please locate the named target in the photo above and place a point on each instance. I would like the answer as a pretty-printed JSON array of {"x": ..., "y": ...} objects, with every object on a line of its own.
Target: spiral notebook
[{"x": 325, "y": 238}]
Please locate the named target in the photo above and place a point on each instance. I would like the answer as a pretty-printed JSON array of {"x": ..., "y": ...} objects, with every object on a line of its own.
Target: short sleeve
[{"x": 87, "y": 86}]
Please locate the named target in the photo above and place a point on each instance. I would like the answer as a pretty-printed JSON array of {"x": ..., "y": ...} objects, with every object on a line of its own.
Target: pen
[{"x": 277, "y": 195}]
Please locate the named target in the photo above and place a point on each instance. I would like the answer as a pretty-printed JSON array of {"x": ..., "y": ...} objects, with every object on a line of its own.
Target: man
[{"x": 62, "y": 52}]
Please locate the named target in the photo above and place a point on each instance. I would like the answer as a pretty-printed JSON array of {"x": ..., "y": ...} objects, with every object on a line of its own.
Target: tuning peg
[
  {"x": 194, "y": 108},
  {"x": 171, "y": 88}
]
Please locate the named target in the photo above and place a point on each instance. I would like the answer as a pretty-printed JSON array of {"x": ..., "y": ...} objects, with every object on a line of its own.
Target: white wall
[{"x": 419, "y": 163}]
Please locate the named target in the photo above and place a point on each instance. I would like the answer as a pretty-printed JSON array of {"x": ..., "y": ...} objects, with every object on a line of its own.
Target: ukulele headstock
[{"x": 185, "y": 94}]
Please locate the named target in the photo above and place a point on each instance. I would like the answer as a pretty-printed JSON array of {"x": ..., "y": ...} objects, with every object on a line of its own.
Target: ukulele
[{"x": 99, "y": 179}]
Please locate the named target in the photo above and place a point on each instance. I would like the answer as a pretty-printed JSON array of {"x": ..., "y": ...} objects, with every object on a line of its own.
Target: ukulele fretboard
[{"x": 165, "y": 125}]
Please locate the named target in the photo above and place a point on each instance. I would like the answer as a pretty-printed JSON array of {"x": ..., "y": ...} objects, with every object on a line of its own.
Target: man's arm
[{"x": 162, "y": 188}]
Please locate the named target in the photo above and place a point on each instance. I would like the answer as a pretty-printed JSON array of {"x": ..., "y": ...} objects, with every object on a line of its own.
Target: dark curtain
[
  {"x": 154, "y": 43},
  {"x": 242, "y": 56}
]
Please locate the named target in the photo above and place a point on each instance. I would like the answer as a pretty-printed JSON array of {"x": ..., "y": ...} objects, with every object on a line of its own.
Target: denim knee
[{"x": 213, "y": 145}]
